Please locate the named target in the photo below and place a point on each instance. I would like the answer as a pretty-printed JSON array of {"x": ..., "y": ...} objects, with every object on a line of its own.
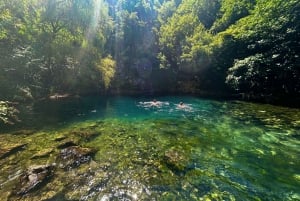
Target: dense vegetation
[{"x": 248, "y": 47}]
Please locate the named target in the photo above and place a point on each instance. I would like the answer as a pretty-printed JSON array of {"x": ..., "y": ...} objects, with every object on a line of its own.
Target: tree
[
  {"x": 51, "y": 46},
  {"x": 186, "y": 42},
  {"x": 230, "y": 12},
  {"x": 271, "y": 63},
  {"x": 107, "y": 68},
  {"x": 133, "y": 43}
]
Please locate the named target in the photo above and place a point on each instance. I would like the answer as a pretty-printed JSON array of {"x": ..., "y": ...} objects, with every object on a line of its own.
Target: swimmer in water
[
  {"x": 155, "y": 103},
  {"x": 181, "y": 105}
]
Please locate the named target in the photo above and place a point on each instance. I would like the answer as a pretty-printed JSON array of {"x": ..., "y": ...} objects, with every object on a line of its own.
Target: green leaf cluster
[
  {"x": 107, "y": 67},
  {"x": 246, "y": 45},
  {"x": 52, "y": 46},
  {"x": 8, "y": 113}
]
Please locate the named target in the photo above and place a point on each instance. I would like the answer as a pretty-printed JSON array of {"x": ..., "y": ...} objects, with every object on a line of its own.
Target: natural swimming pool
[{"x": 119, "y": 148}]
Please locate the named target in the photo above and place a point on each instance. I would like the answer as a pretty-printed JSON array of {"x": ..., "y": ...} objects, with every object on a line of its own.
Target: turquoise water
[{"x": 208, "y": 150}]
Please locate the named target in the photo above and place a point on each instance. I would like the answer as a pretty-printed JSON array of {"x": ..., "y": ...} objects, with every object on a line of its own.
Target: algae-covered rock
[
  {"x": 60, "y": 138},
  {"x": 9, "y": 149},
  {"x": 74, "y": 156},
  {"x": 42, "y": 154},
  {"x": 175, "y": 160},
  {"x": 25, "y": 132},
  {"x": 66, "y": 144},
  {"x": 86, "y": 134},
  {"x": 34, "y": 177}
]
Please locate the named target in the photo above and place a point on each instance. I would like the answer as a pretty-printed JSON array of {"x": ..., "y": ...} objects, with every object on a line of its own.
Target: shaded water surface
[{"x": 124, "y": 148}]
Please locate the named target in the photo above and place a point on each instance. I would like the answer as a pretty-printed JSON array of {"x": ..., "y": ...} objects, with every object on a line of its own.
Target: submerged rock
[
  {"x": 34, "y": 177},
  {"x": 24, "y": 132},
  {"x": 66, "y": 144},
  {"x": 42, "y": 154},
  {"x": 74, "y": 156},
  {"x": 175, "y": 160},
  {"x": 60, "y": 138},
  {"x": 7, "y": 150},
  {"x": 89, "y": 135},
  {"x": 86, "y": 134}
]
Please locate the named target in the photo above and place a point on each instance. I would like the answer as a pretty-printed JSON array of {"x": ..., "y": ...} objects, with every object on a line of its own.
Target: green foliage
[
  {"x": 270, "y": 62},
  {"x": 173, "y": 34},
  {"x": 257, "y": 39},
  {"x": 245, "y": 73},
  {"x": 51, "y": 46},
  {"x": 59, "y": 46},
  {"x": 230, "y": 12},
  {"x": 133, "y": 39},
  {"x": 166, "y": 10},
  {"x": 107, "y": 67},
  {"x": 8, "y": 113}
]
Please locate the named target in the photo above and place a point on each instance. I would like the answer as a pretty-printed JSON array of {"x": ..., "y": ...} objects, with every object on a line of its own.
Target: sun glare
[{"x": 94, "y": 24}]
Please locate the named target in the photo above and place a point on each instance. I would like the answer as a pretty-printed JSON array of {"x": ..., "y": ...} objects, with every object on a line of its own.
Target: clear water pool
[{"x": 207, "y": 150}]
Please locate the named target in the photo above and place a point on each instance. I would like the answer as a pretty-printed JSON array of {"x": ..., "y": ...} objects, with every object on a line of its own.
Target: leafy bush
[{"x": 8, "y": 113}]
